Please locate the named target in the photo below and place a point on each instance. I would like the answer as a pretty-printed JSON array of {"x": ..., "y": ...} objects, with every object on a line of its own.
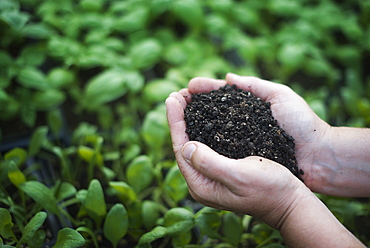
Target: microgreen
[{"x": 85, "y": 154}]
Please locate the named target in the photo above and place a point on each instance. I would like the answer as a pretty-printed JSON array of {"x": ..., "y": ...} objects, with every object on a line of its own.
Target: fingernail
[{"x": 188, "y": 150}]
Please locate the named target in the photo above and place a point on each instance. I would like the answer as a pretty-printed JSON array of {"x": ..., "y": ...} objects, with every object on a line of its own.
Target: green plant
[{"x": 82, "y": 85}]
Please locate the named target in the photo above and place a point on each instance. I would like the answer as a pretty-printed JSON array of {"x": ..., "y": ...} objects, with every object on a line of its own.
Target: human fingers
[
  {"x": 186, "y": 95},
  {"x": 204, "y": 85},
  {"x": 266, "y": 90},
  {"x": 211, "y": 164},
  {"x": 253, "y": 185},
  {"x": 206, "y": 183},
  {"x": 175, "y": 105},
  {"x": 180, "y": 97},
  {"x": 230, "y": 172}
]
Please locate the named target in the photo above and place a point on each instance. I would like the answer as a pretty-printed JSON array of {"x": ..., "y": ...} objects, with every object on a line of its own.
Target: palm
[
  {"x": 230, "y": 183},
  {"x": 299, "y": 121},
  {"x": 289, "y": 109}
]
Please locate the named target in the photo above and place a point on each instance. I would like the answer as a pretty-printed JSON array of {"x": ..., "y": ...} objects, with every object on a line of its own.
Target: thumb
[{"x": 208, "y": 162}]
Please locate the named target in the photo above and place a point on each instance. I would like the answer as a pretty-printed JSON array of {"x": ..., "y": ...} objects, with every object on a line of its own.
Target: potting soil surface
[{"x": 237, "y": 124}]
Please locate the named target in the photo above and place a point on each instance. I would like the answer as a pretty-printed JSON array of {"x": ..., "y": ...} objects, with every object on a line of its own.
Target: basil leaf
[
  {"x": 70, "y": 238},
  {"x": 116, "y": 224},
  {"x": 95, "y": 203},
  {"x": 42, "y": 195}
]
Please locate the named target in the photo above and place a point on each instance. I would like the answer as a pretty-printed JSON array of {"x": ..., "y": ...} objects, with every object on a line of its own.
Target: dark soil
[{"x": 237, "y": 124}]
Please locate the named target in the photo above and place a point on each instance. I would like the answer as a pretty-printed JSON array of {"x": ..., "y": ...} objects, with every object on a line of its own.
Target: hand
[
  {"x": 296, "y": 118},
  {"x": 254, "y": 185},
  {"x": 293, "y": 115}
]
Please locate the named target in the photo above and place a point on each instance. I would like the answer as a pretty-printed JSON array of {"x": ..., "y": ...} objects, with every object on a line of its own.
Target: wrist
[
  {"x": 293, "y": 205},
  {"x": 309, "y": 223},
  {"x": 289, "y": 202},
  {"x": 340, "y": 163},
  {"x": 322, "y": 163}
]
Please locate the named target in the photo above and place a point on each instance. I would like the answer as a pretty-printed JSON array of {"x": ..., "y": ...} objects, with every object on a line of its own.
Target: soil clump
[{"x": 237, "y": 124}]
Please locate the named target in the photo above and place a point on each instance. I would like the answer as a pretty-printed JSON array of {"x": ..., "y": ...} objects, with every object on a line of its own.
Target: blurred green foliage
[{"x": 86, "y": 81}]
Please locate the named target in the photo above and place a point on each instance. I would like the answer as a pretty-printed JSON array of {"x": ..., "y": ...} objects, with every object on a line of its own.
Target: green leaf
[
  {"x": 190, "y": 12},
  {"x": 38, "y": 239},
  {"x": 175, "y": 184},
  {"x": 28, "y": 115},
  {"x": 106, "y": 117},
  {"x": 98, "y": 55},
  {"x": 48, "y": 100},
  {"x": 135, "y": 81},
  {"x": 180, "y": 227},
  {"x": 81, "y": 195},
  {"x": 9, "y": 246},
  {"x": 134, "y": 19},
  {"x": 9, "y": 5},
  {"x": 262, "y": 232},
  {"x": 16, "y": 20},
  {"x": 32, "y": 55},
  {"x": 17, "y": 155},
  {"x": 158, "y": 90},
  {"x": 15, "y": 175},
  {"x": 182, "y": 239},
  {"x": 208, "y": 220},
  {"x": 318, "y": 67},
  {"x": 9, "y": 107},
  {"x": 64, "y": 191},
  {"x": 88, "y": 154},
  {"x": 95, "y": 203},
  {"x": 37, "y": 31},
  {"x": 145, "y": 53},
  {"x": 134, "y": 211},
  {"x": 285, "y": 8},
  {"x": 60, "y": 78},
  {"x": 87, "y": 230},
  {"x": 31, "y": 77},
  {"x": 6, "y": 224},
  {"x": 132, "y": 151},
  {"x": 108, "y": 173},
  {"x": 5, "y": 59},
  {"x": 222, "y": 5},
  {"x": 178, "y": 220},
  {"x": 33, "y": 225},
  {"x": 55, "y": 120},
  {"x": 160, "y": 6},
  {"x": 291, "y": 55},
  {"x": 125, "y": 192},
  {"x": 105, "y": 87},
  {"x": 91, "y": 5},
  {"x": 217, "y": 24},
  {"x": 42, "y": 195},
  {"x": 155, "y": 131},
  {"x": 116, "y": 224},
  {"x": 38, "y": 139},
  {"x": 65, "y": 47},
  {"x": 232, "y": 228},
  {"x": 157, "y": 233},
  {"x": 150, "y": 213},
  {"x": 176, "y": 54},
  {"x": 140, "y": 173},
  {"x": 69, "y": 238}
]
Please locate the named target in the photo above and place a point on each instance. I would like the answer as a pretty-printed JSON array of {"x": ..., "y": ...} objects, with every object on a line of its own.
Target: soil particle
[{"x": 237, "y": 124}]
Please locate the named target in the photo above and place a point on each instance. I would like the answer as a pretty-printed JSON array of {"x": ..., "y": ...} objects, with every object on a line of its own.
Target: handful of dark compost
[{"x": 237, "y": 124}]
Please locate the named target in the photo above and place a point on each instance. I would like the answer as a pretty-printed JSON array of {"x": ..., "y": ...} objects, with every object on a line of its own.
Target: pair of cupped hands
[{"x": 253, "y": 185}]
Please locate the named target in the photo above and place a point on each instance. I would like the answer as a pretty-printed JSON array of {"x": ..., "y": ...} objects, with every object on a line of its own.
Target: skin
[{"x": 265, "y": 189}]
